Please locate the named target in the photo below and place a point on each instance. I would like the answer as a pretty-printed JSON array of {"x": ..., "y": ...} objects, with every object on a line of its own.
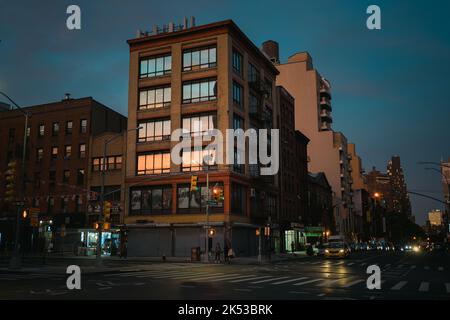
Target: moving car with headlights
[{"x": 337, "y": 250}]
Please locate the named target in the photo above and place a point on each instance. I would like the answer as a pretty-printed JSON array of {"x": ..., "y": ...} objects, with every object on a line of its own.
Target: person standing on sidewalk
[{"x": 218, "y": 253}]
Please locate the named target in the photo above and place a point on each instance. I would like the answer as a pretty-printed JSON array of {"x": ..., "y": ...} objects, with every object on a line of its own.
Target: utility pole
[{"x": 207, "y": 220}]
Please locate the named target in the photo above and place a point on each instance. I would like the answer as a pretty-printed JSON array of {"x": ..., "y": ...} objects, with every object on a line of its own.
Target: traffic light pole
[
  {"x": 207, "y": 220},
  {"x": 98, "y": 257},
  {"x": 15, "y": 262}
]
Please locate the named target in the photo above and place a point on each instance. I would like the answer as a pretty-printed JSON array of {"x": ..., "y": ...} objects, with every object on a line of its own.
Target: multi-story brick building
[
  {"x": 327, "y": 149},
  {"x": 293, "y": 174},
  {"x": 196, "y": 78},
  {"x": 57, "y": 161}
]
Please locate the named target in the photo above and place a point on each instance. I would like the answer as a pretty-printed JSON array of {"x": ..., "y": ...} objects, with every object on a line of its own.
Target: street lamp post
[
  {"x": 15, "y": 262},
  {"x": 103, "y": 166}
]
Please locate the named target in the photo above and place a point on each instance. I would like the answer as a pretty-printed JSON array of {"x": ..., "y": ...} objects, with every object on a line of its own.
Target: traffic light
[
  {"x": 106, "y": 226},
  {"x": 267, "y": 231},
  {"x": 24, "y": 214},
  {"x": 106, "y": 210},
  {"x": 194, "y": 180},
  {"x": 211, "y": 232},
  {"x": 258, "y": 232},
  {"x": 221, "y": 196},
  {"x": 216, "y": 194},
  {"x": 10, "y": 177},
  {"x": 96, "y": 225}
]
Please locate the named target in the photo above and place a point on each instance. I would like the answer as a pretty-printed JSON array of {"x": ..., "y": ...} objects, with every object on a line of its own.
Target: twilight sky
[{"x": 391, "y": 87}]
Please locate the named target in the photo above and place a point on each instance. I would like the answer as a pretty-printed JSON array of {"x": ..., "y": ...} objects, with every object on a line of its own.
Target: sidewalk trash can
[{"x": 195, "y": 254}]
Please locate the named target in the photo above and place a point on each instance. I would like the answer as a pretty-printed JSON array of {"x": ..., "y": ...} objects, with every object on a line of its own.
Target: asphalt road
[{"x": 403, "y": 275}]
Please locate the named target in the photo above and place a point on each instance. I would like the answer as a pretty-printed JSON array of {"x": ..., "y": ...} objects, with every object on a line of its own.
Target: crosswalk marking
[
  {"x": 441, "y": 268},
  {"x": 268, "y": 280},
  {"x": 290, "y": 280},
  {"x": 168, "y": 275},
  {"x": 348, "y": 285},
  {"x": 413, "y": 267},
  {"x": 207, "y": 277},
  {"x": 306, "y": 282},
  {"x": 328, "y": 282},
  {"x": 152, "y": 274},
  {"x": 399, "y": 266},
  {"x": 228, "y": 277},
  {"x": 447, "y": 287},
  {"x": 249, "y": 279},
  {"x": 427, "y": 268},
  {"x": 399, "y": 285},
  {"x": 424, "y": 286},
  {"x": 193, "y": 277}
]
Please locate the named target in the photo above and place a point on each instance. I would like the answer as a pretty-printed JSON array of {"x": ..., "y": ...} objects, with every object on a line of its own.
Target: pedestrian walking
[
  {"x": 218, "y": 253},
  {"x": 230, "y": 254}
]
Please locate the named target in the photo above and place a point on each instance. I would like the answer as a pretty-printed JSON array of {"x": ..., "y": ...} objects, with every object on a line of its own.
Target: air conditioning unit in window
[{"x": 252, "y": 192}]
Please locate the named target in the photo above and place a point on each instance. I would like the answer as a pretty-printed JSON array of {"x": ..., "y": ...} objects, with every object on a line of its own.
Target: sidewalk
[{"x": 141, "y": 263}]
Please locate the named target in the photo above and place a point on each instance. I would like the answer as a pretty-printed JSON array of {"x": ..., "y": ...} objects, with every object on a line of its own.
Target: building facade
[
  {"x": 327, "y": 149},
  {"x": 293, "y": 173},
  {"x": 196, "y": 78},
  {"x": 360, "y": 194},
  {"x": 56, "y": 166},
  {"x": 400, "y": 198}
]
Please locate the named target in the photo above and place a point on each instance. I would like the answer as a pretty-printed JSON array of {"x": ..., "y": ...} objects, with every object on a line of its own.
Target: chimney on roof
[
  {"x": 192, "y": 22},
  {"x": 271, "y": 49}
]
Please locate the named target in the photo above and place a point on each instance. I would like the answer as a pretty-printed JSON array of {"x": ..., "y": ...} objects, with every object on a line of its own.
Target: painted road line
[
  {"x": 424, "y": 286},
  {"x": 212, "y": 277},
  {"x": 228, "y": 277},
  {"x": 268, "y": 280},
  {"x": 399, "y": 266},
  {"x": 413, "y": 266},
  {"x": 348, "y": 285},
  {"x": 290, "y": 280},
  {"x": 351, "y": 263},
  {"x": 306, "y": 282},
  {"x": 175, "y": 274},
  {"x": 193, "y": 277},
  {"x": 246, "y": 290},
  {"x": 441, "y": 268},
  {"x": 249, "y": 279},
  {"x": 399, "y": 285},
  {"x": 447, "y": 287},
  {"x": 427, "y": 268},
  {"x": 328, "y": 282}
]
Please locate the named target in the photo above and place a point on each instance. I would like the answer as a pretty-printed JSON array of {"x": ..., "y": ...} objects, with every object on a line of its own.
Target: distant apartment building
[
  {"x": 400, "y": 197},
  {"x": 196, "y": 78},
  {"x": 327, "y": 149},
  {"x": 360, "y": 193},
  {"x": 390, "y": 187},
  {"x": 435, "y": 218},
  {"x": 57, "y": 162}
]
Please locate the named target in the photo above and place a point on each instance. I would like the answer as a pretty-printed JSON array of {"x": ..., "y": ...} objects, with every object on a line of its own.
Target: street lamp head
[{"x": 376, "y": 194}]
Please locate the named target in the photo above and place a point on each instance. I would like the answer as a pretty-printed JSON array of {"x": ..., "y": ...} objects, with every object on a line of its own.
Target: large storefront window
[
  {"x": 151, "y": 200},
  {"x": 196, "y": 201}
]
